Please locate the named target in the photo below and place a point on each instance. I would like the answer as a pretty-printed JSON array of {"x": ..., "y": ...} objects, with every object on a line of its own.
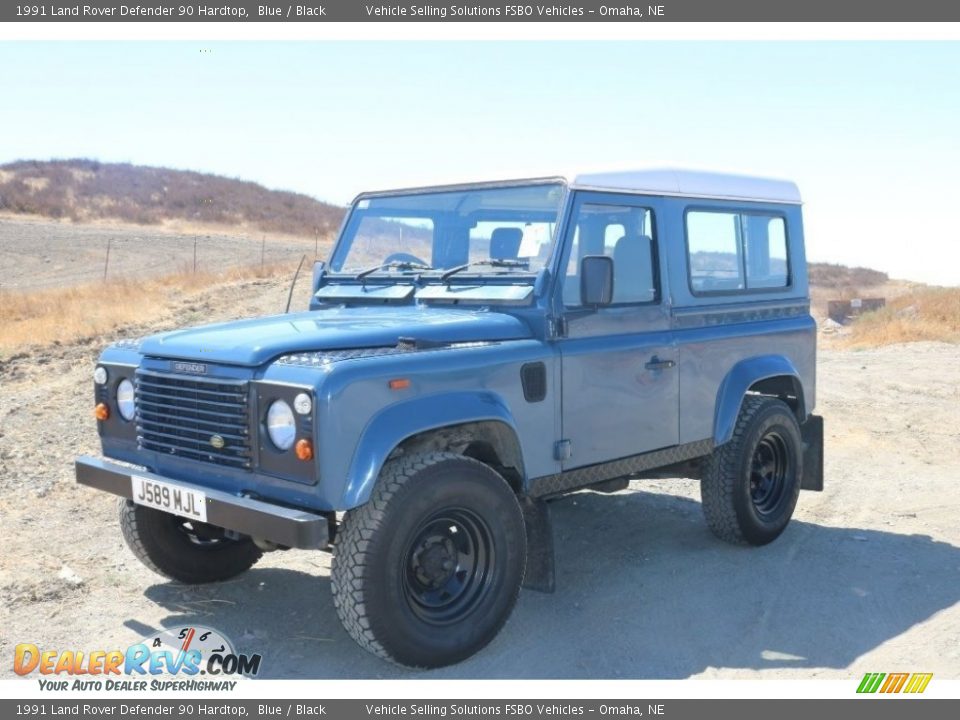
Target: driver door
[{"x": 619, "y": 362}]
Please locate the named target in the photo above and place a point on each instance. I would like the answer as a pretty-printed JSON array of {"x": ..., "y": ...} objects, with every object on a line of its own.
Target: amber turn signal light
[
  {"x": 101, "y": 411},
  {"x": 399, "y": 384},
  {"x": 304, "y": 449}
]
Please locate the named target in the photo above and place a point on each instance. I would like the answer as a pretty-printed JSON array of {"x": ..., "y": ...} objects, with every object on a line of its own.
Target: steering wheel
[{"x": 403, "y": 257}]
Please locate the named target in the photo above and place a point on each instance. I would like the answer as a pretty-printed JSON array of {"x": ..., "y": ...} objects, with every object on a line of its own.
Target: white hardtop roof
[
  {"x": 654, "y": 181},
  {"x": 690, "y": 183}
]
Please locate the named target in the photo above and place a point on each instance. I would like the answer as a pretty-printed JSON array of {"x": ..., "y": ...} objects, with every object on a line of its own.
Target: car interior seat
[
  {"x": 505, "y": 243},
  {"x": 633, "y": 269}
]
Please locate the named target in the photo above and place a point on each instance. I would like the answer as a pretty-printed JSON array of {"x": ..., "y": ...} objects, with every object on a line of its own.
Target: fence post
[
  {"x": 316, "y": 242},
  {"x": 194, "y": 254},
  {"x": 106, "y": 260}
]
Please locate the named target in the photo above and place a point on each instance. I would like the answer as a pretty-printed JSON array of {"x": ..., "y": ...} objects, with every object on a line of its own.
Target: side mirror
[
  {"x": 596, "y": 280},
  {"x": 319, "y": 267}
]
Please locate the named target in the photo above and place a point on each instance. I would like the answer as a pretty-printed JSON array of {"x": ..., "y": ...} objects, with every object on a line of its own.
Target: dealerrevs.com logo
[
  {"x": 888, "y": 683},
  {"x": 182, "y": 658}
]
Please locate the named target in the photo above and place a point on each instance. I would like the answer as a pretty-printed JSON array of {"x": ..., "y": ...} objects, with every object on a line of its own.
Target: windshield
[{"x": 493, "y": 230}]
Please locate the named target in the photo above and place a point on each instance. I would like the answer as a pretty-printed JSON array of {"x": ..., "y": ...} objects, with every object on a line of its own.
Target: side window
[
  {"x": 765, "y": 240},
  {"x": 623, "y": 233},
  {"x": 713, "y": 242},
  {"x": 734, "y": 251}
]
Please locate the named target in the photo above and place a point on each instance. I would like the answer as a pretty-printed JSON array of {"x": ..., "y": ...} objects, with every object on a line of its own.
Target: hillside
[
  {"x": 829, "y": 275},
  {"x": 86, "y": 190}
]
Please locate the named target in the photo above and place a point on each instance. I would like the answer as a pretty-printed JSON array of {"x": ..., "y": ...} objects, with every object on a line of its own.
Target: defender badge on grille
[
  {"x": 217, "y": 441},
  {"x": 189, "y": 367}
]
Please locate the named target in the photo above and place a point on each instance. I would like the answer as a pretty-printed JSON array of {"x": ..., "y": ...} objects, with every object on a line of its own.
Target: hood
[{"x": 256, "y": 341}]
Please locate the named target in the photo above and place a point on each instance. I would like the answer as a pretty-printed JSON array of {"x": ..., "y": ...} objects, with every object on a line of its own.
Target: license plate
[{"x": 170, "y": 498}]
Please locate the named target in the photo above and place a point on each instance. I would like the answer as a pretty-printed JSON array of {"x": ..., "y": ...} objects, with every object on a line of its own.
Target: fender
[
  {"x": 396, "y": 423},
  {"x": 735, "y": 385}
]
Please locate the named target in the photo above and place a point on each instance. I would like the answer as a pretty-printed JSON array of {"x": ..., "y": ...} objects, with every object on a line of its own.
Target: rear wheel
[
  {"x": 751, "y": 484},
  {"x": 183, "y": 550},
  {"x": 427, "y": 572}
]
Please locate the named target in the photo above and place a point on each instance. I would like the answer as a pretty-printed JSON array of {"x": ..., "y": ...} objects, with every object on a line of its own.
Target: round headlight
[
  {"x": 125, "y": 403},
  {"x": 100, "y": 375},
  {"x": 302, "y": 404},
  {"x": 281, "y": 426}
]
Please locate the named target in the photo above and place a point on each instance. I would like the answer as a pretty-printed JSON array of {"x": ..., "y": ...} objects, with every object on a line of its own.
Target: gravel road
[{"x": 867, "y": 577}]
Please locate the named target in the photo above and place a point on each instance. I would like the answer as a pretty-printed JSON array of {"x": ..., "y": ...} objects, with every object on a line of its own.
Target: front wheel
[
  {"x": 750, "y": 485},
  {"x": 427, "y": 572}
]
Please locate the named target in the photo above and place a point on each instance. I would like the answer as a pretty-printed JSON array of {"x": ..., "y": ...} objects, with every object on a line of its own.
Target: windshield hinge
[{"x": 558, "y": 326}]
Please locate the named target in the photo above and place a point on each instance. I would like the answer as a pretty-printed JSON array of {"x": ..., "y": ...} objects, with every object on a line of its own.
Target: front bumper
[{"x": 284, "y": 526}]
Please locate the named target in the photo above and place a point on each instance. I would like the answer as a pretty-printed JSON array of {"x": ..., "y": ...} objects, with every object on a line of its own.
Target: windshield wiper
[
  {"x": 492, "y": 262},
  {"x": 396, "y": 264}
]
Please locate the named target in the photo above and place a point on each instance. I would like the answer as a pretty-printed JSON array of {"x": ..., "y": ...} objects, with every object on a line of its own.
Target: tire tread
[
  {"x": 349, "y": 577},
  {"x": 241, "y": 558},
  {"x": 718, "y": 484}
]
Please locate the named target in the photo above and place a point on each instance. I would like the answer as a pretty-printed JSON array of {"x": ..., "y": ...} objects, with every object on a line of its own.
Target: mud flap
[
  {"x": 812, "y": 434},
  {"x": 539, "y": 574}
]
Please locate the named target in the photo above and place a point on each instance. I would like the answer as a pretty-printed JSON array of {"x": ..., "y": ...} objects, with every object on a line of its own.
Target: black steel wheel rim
[
  {"x": 199, "y": 535},
  {"x": 770, "y": 469},
  {"x": 448, "y": 566}
]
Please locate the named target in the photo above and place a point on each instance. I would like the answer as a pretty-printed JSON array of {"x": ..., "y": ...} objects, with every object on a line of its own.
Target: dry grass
[
  {"x": 57, "y": 316},
  {"x": 925, "y": 313},
  {"x": 891, "y": 290},
  {"x": 839, "y": 282}
]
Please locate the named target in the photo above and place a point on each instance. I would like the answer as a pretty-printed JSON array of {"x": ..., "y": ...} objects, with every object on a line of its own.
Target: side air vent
[{"x": 534, "y": 379}]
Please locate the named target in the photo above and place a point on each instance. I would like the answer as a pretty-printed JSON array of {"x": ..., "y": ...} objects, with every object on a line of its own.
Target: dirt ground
[
  {"x": 37, "y": 253},
  {"x": 866, "y": 578}
]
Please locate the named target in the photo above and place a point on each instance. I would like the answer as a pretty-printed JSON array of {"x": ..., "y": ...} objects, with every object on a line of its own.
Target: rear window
[{"x": 734, "y": 251}]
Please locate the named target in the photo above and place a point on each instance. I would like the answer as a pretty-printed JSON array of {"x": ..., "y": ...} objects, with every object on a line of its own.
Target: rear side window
[{"x": 730, "y": 251}]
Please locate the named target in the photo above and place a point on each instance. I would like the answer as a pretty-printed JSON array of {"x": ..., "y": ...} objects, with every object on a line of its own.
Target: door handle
[{"x": 656, "y": 363}]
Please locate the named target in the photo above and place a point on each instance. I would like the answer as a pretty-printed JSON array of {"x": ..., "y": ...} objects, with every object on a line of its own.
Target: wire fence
[{"x": 34, "y": 256}]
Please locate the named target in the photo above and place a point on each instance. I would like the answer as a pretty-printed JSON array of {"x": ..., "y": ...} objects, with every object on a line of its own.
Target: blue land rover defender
[{"x": 469, "y": 353}]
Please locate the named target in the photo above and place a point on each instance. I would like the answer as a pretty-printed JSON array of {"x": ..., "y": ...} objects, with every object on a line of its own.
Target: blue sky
[{"x": 869, "y": 130}]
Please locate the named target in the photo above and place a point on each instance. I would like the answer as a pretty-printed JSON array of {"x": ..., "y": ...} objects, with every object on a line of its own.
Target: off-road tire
[
  {"x": 729, "y": 506},
  {"x": 377, "y": 558},
  {"x": 157, "y": 540}
]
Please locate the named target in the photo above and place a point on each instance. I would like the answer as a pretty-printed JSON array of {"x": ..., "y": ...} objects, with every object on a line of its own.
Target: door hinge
[
  {"x": 558, "y": 326},
  {"x": 562, "y": 450}
]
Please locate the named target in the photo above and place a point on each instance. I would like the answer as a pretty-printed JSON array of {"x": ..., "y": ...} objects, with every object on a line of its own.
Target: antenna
[{"x": 295, "y": 276}]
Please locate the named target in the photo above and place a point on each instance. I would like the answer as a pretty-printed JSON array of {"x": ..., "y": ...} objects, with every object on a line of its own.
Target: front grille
[{"x": 179, "y": 415}]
